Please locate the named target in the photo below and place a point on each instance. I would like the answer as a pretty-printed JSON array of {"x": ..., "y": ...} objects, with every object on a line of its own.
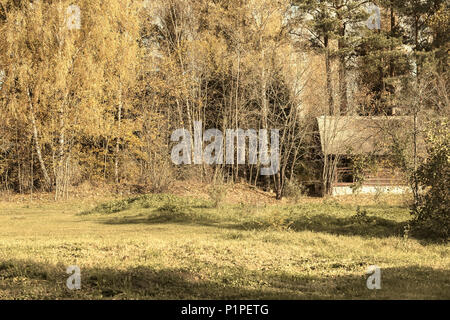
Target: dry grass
[{"x": 168, "y": 247}]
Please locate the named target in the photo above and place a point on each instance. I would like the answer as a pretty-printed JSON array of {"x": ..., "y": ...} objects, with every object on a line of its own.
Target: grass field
[{"x": 168, "y": 247}]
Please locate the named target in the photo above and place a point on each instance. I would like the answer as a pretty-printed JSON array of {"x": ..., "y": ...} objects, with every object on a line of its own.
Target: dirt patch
[{"x": 235, "y": 193}]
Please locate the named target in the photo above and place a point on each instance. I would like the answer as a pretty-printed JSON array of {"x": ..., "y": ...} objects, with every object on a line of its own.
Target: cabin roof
[{"x": 345, "y": 135}]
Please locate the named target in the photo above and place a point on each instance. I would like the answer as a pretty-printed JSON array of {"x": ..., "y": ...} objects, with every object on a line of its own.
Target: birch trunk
[{"x": 47, "y": 179}]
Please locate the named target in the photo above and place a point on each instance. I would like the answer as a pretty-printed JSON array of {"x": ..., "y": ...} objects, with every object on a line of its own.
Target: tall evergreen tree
[{"x": 340, "y": 21}]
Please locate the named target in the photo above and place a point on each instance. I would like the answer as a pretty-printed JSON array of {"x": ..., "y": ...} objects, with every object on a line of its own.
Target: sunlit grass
[{"x": 167, "y": 247}]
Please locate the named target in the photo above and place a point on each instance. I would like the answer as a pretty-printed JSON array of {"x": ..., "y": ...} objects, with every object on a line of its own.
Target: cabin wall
[
  {"x": 347, "y": 190},
  {"x": 382, "y": 180}
]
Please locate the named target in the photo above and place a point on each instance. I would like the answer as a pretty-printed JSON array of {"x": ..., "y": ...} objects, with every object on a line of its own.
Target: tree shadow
[
  {"x": 47, "y": 281},
  {"x": 369, "y": 226}
]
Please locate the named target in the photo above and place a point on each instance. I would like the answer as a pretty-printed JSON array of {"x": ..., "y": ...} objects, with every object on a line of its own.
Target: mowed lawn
[{"x": 167, "y": 247}]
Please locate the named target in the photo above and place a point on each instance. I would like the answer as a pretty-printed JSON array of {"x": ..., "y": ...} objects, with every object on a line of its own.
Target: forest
[{"x": 91, "y": 91}]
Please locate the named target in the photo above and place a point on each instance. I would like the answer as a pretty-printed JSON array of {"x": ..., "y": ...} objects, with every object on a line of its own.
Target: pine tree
[{"x": 340, "y": 21}]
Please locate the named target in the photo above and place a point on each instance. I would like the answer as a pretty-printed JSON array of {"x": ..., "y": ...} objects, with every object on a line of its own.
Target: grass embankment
[{"x": 167, "y": 247}]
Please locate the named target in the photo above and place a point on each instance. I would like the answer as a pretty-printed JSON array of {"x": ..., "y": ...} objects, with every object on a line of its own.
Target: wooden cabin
[{"x": 346, "y": 138}]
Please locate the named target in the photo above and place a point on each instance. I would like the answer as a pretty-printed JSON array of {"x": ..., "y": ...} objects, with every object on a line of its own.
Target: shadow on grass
[
  {"x": 31, "y": 280},
  {"x": 369, "y": 226}
]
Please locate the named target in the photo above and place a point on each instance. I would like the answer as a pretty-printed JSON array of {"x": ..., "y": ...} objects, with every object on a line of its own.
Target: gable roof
[{"x": 359, "y": 135}]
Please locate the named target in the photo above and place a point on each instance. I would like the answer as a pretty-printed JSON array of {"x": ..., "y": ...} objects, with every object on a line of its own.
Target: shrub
[
  {"x": 160, "y": 177},
  {"x": 217, "y": 192},
  {"x": 294, "y": 190},
  {"x": 361, "y": 215},
  {"x": 432, "y": 212}
]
